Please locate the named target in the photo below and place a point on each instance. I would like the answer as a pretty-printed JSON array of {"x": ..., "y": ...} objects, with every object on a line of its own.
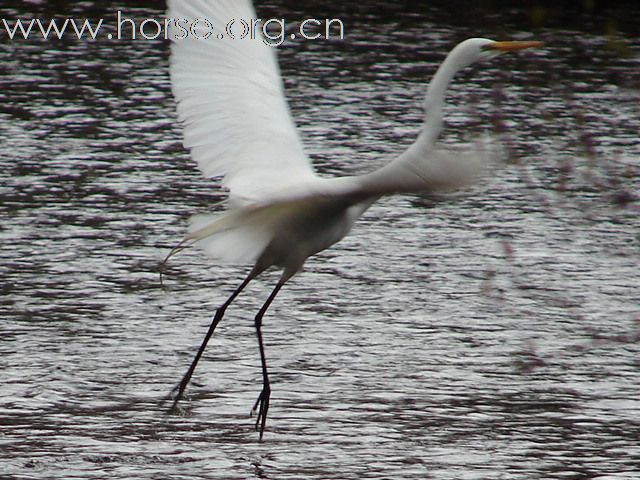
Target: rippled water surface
[{"x": 487, "y": 334}]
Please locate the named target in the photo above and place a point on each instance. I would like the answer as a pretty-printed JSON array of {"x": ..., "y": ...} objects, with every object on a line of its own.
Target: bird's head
[
  {"x": 478, "y": 49},
  {"x": 464, "y": 54}
]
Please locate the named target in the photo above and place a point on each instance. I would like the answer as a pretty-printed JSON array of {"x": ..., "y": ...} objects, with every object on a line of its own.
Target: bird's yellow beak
[{"x": 513, "y": 46}]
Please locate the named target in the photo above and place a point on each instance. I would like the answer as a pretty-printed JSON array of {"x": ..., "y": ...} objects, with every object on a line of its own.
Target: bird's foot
[
  {"x": 262, "y": 408},
  {"x": 174, "y": 396},
  {"x": 175, "y": 408}
]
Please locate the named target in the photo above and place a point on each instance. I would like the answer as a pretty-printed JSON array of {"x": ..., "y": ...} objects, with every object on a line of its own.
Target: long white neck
[
  {"x": 436, "y": 94},
  {"x": 421, "y": 167}
]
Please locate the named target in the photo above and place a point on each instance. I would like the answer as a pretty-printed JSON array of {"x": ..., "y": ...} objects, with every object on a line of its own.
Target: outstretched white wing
[{"x": 230, "y": 95}]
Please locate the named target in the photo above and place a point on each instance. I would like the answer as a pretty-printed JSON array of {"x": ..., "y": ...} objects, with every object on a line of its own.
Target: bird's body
[
  {"x": 283, "y": 231},
  {"x": 307, "y": 230},
  {"x": 238, "y": 127}
]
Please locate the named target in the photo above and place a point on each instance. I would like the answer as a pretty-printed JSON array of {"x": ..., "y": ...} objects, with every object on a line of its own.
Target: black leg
[
  {"x": 262, "y": 403},
  {"x": 180, "y": 388}
]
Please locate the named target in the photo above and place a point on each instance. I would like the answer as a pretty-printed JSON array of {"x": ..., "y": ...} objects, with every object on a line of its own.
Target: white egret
[{"x": 238, "y": 126}]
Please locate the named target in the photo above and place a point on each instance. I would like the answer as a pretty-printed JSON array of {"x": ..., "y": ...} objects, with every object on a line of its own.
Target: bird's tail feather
[{"x": 236, "y": 236}]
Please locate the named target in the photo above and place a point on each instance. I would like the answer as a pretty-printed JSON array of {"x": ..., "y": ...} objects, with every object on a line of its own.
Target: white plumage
[
  {"x": 238, "y": 127},
  {"x": 230, "y": 96}
]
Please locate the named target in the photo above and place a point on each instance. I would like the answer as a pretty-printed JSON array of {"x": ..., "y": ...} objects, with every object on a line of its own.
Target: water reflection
[{"x": 479, "y": 335}]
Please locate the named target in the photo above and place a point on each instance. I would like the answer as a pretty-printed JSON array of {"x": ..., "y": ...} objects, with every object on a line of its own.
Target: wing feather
[{"x": 230, "y": 97}]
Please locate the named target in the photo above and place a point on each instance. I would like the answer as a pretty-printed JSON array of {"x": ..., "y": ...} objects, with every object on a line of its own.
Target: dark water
[{"x": 490, "y": 334}]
